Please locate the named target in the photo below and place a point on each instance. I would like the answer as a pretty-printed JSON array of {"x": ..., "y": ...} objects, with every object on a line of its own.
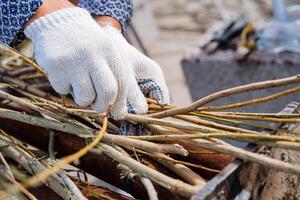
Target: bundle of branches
[{"x": 183, "y": 151}]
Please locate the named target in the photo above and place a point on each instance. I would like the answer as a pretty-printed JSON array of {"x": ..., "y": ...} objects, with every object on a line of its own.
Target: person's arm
[
  {"x": 116, "y": 13},
  {"x": 49, "y": 6}
]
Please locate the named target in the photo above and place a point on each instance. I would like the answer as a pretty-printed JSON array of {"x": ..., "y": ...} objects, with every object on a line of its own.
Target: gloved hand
[
  {"x": 81, "y": 58},
  {"x": 147, "y": 73}
]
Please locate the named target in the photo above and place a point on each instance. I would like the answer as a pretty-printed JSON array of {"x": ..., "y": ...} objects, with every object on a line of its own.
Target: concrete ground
[{"x": 168, "y": 52}]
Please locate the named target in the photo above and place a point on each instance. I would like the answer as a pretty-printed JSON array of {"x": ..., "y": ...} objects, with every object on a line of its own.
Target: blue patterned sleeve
[
  {"x": 121, "y": 10},
  {"x": 14, "y": 14}
]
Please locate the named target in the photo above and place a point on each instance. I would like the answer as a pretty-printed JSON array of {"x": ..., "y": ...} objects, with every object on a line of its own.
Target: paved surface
[
  {"x": 181, "y": 23},
  {"x": 168, "y": 52}
]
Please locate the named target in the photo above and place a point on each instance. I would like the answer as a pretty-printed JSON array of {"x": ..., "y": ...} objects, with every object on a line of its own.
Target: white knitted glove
[
  {"x": 147, "y": 73},
  {"x": 80, "y": 58}
]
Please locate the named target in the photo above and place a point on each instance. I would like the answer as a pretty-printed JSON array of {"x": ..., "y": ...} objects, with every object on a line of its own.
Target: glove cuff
[
  {"x": 56, "y": 19},
  {"x": 113, "y": 32}
]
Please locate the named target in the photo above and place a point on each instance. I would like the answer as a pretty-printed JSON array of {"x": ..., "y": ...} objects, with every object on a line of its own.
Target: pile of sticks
[{"x": 184, "y": 150}]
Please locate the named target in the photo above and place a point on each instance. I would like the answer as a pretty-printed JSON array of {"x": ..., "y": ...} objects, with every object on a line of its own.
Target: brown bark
[{"x": 266, "y": 183}]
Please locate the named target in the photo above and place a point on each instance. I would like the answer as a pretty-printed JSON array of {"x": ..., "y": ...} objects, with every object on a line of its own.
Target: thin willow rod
[
  {"x": 30, "y": 76},
  {"x": 241, "y": 122},
  {"x": 142, "y": 119},
  {"x": 29, "y": 104},
  {"x": 198, "y": 121},
  {"x": 68, "y": 111},
  {"x": 88, "y": 133},
  {"x": 272, "y": 138},
  {"x": 26, "y": 87},
  {"x": 174, "y": 185},
  {"x": 249, "y": 156},
  {"x": 182, "y": 170},
  {"x": 275, "y": 115},
  {"x": 200, "y": 114},
  {"x": 272, "y": 141},
  {"x": 159, "y": 155},
  {"x": 253, "y": 101},
  {"x": 66, "y": 160},
  {"x": 11, "y": 179},
  {"x": 228, "y": 92},
  {"x": 226, "y": 148},
  {"x": 255, "y": 118},
  {"x": 6, "y": 166},
  {"x": 219, "y": 147},
  {"x": 267, "y": 117},
  {"x": 31, "y": 165},
  {"x": 212, "y": 124},
  {"x": 163, "y": 122},
  {"x": 24, "y": 58},
  {"x": 22, "y": 71},
  {"x": 152, "y": 194}
]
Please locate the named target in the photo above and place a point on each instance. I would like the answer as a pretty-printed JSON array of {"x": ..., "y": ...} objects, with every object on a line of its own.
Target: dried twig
[
  {"x": 18, "y": 185},
  {"x": 174, "y": 185},
  {"x": 87, "y": 133},
  {"x": 255, "y": 118},
  {"x": 253, "y": 101},
  {"x": 228, "y": 92},
  {"x": 44, "y": 174},
  {"x": 32, "y": 166},
  {"x": 186, "y": 173},
  {"x": 152, "y": 194},
  {"x": 70, "y": 185}
]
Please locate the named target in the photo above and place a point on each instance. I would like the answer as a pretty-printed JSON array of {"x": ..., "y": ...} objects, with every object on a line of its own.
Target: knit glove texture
[
  {"x": 149, "y": 77},
  {"x": 147, "y": 73},
  {"x": 82, "y": 59}
]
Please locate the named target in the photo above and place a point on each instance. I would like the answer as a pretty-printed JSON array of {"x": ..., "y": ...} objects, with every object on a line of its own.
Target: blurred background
[{"x": 171, "y": 30}]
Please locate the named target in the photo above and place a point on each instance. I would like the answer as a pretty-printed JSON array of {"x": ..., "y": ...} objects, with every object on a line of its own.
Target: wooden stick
[
  {"x": 284, "y": 142},
  {"x": 234, "y": 121},
  {"x": 254, "y": 157},
  {"x": 228, "y": 92},
  {"x": 28, "y": 104},
  {"x": 33, "y": 166},
  {"x": 152, "y": 194},
  {"x": 256, "y": 118},
  {"x": 242, "y": 154},
  {"x": 253, "y": 101},
  {"x": 183, "y": 171},
  {"x": 151, "y": 147},
  {"x": 174, "y": 185},
  {"x": 88, "y": 133},
  {"x": 70, "y": 185},
  {"x": 66, "y": 160},
  {"x": 163, "y": 122},
  {"x": 275, "y": 115},
  {"x": 24, "y": 86},
  {"x": 212, "y": 124},
  {"x": 227, "y": 149},
  {"x": 6, "y": 166},
  {"x": 169, "y": 159},
  {"x": 271, "y": 138},
  {"x": 24, "y": 58},
  {"x": 18, "y": 185}
]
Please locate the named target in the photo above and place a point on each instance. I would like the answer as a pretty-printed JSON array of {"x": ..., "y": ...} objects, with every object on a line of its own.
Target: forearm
[
  {"x": 49, "y": 6},
  {"x": 118, "y": 12},
  {"x": 102, "y": 19}
]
